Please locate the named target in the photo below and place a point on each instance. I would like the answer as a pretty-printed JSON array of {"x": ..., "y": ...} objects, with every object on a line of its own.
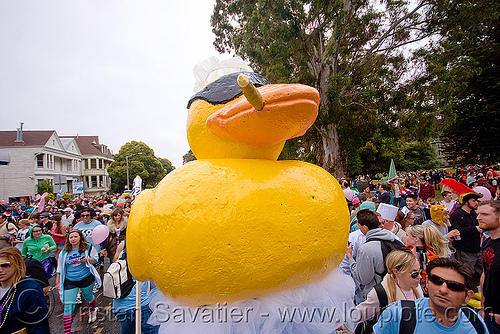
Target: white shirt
[{"x": 449, "y": 205}]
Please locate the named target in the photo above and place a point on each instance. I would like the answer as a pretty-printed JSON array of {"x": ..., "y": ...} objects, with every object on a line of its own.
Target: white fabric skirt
[{"x": 319, "y": 307}]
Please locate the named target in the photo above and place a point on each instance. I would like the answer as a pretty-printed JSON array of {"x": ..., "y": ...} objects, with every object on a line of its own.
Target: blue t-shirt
[
  {"x": 128, "y": 303},
  {"x": 426, "y": 323},
  {"x": 87, "y": 232},
  {"x": 75, "y": 271}
]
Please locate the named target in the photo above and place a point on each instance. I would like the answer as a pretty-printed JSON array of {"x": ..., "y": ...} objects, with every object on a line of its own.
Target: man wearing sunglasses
[
  {"x": 488, "y": 216},
  {"x": 449, "y": 283},
  {"x": 87, "y": 225}
]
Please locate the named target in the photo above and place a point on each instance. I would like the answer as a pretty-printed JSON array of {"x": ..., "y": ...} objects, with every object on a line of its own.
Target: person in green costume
[{"x": 39, "y": 246}]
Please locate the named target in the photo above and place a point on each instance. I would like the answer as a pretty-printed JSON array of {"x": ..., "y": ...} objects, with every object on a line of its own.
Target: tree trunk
[{"x": 328, "y": 155}]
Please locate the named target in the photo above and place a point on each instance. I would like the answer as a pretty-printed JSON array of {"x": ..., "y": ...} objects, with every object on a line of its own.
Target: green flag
[{"x": 392, "y": 170}]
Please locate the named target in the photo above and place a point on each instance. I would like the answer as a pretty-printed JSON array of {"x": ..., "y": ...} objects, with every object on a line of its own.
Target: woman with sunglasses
[
  {"x": 117, "y": 225},
  {"x": 39, "y": 246},
  {"x": 76, "y": 272},
  {"x": 400, "y": 283},
  {"x": 22, "y": 305}
]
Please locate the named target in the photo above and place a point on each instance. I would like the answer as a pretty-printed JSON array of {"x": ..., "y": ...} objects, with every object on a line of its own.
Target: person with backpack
[
  {"x": 124, "y": 307},
  {"x": 6, "y": 227},
  {"x": 400, "y": 283},
  {"x": 369, "y": 266},
  {"x": 450, "y": 286},
  {"x": 76, "y": 272}
]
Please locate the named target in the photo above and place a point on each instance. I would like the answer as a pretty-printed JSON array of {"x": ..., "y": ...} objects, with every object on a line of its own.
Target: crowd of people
[
  {"x": 49, "y": 239},
  {"x": 430, "y": 256},
  {"x": 435, "y": 254}
]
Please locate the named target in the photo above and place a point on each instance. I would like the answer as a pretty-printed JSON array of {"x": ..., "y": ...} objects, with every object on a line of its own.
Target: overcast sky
[{"x": 122, "y": 70}]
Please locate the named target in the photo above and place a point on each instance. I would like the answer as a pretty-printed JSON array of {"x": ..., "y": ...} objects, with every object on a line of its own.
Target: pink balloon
[
  {"x": 348, "y": 193},
  {"x": 483, "y": 190},
  {"x": 99, "y": 234}
]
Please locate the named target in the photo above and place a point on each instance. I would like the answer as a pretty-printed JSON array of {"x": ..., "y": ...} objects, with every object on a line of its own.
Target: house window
[
  {"x": 94, "y": 181},
  {"x": 75, "y": 165},
  {"x": 39, "y": 160},
  {"x": 60, "y": 164},
  {"x": 93, "y": 163},
  {"x": 50, "y": 161},
  {"x": 68, "y": 164}
]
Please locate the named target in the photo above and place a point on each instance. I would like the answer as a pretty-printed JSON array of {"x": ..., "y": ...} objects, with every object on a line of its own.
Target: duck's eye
[{"x": 226, "y": 88}]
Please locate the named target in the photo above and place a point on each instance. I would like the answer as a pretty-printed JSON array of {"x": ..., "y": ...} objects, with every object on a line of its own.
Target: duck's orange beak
[{"x": 289, "y": 110}]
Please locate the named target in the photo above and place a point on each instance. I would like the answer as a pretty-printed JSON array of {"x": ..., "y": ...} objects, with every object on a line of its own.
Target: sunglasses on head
[
  {"x": 415, "y": 274},
  {"x": 5, "y": 265},
  {"x": 452, "y": 285}
]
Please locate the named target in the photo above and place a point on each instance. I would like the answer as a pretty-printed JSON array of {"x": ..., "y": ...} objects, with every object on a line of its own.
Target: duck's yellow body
[
  {"x": 229, "y": 229},
  {"x": 232, "y": 229}
]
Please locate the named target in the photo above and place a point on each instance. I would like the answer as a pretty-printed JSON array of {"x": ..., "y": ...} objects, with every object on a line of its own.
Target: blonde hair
[
  {"x": 24, "y": 222},
  {"x": 431, "y": 238},
  {"x": 13, "y": 255},
  {"x": 402, "y": 262}
]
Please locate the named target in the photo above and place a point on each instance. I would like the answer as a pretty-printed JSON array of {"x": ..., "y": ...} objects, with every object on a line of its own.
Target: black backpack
[
  {"x": 387, "y": 247},
  {"x": 367, "y": 326}
]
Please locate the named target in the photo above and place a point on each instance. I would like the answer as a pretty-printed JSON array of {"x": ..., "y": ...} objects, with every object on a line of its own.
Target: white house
[
  {"x": 96, "y": 158},
  {"x": 36, "y": 156}
]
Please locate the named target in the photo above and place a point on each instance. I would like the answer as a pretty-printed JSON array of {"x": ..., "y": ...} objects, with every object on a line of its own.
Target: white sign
[
  {"x": 77, "y": 187},
  {"x": 136, "y": 189}
]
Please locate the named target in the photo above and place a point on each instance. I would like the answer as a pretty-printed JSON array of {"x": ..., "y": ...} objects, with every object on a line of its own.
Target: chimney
[{"x": 19, "y": 139}]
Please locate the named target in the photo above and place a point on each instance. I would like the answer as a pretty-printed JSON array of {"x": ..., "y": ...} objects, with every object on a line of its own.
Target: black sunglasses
[
  {"x": 5, "y": 265},
  {"x": 85, "y": 215},
  {"x": 452, "y": 285},
  {"x": 415, "y": 274}
]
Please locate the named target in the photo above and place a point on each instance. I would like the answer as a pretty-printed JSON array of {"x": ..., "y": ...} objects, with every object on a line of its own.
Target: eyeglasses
[
  {"x": 85, "y": 215},
  {"x": 452, "y": 285},
  {"x": 415, "y": 274},
  {"x": 5, "y": 265}
]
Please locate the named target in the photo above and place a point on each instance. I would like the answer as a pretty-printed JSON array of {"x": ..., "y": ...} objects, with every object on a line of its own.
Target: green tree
[
  {"x": 141, "y": 161},
  {"x": 418, "y": 155},
  {"x": 189, "y": 156},
  {"x": 351, "y": 51},
  {"x": 462, "y": 79},
  {"x": 45, "y": 187},
  {"x": 167, "y": 164}
]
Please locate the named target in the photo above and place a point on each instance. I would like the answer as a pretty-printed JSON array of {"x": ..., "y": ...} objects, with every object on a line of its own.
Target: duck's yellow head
[{"x": 222, "y": 123}]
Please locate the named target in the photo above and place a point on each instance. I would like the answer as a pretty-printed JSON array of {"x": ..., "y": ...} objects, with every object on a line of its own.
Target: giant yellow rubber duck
[{"x": 237, "y": 224}]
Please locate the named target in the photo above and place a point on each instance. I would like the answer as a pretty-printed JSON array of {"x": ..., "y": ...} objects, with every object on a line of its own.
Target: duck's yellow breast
[{"x": 225, "y": 230}]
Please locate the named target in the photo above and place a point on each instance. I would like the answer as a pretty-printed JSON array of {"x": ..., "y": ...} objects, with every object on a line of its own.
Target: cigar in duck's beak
[{"x": 251, "y": 93}]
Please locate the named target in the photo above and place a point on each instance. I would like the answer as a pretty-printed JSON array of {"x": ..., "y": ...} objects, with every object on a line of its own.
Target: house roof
[
  {"x": 89, "y": 145},
  {"x": 30, "y": 138}
]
